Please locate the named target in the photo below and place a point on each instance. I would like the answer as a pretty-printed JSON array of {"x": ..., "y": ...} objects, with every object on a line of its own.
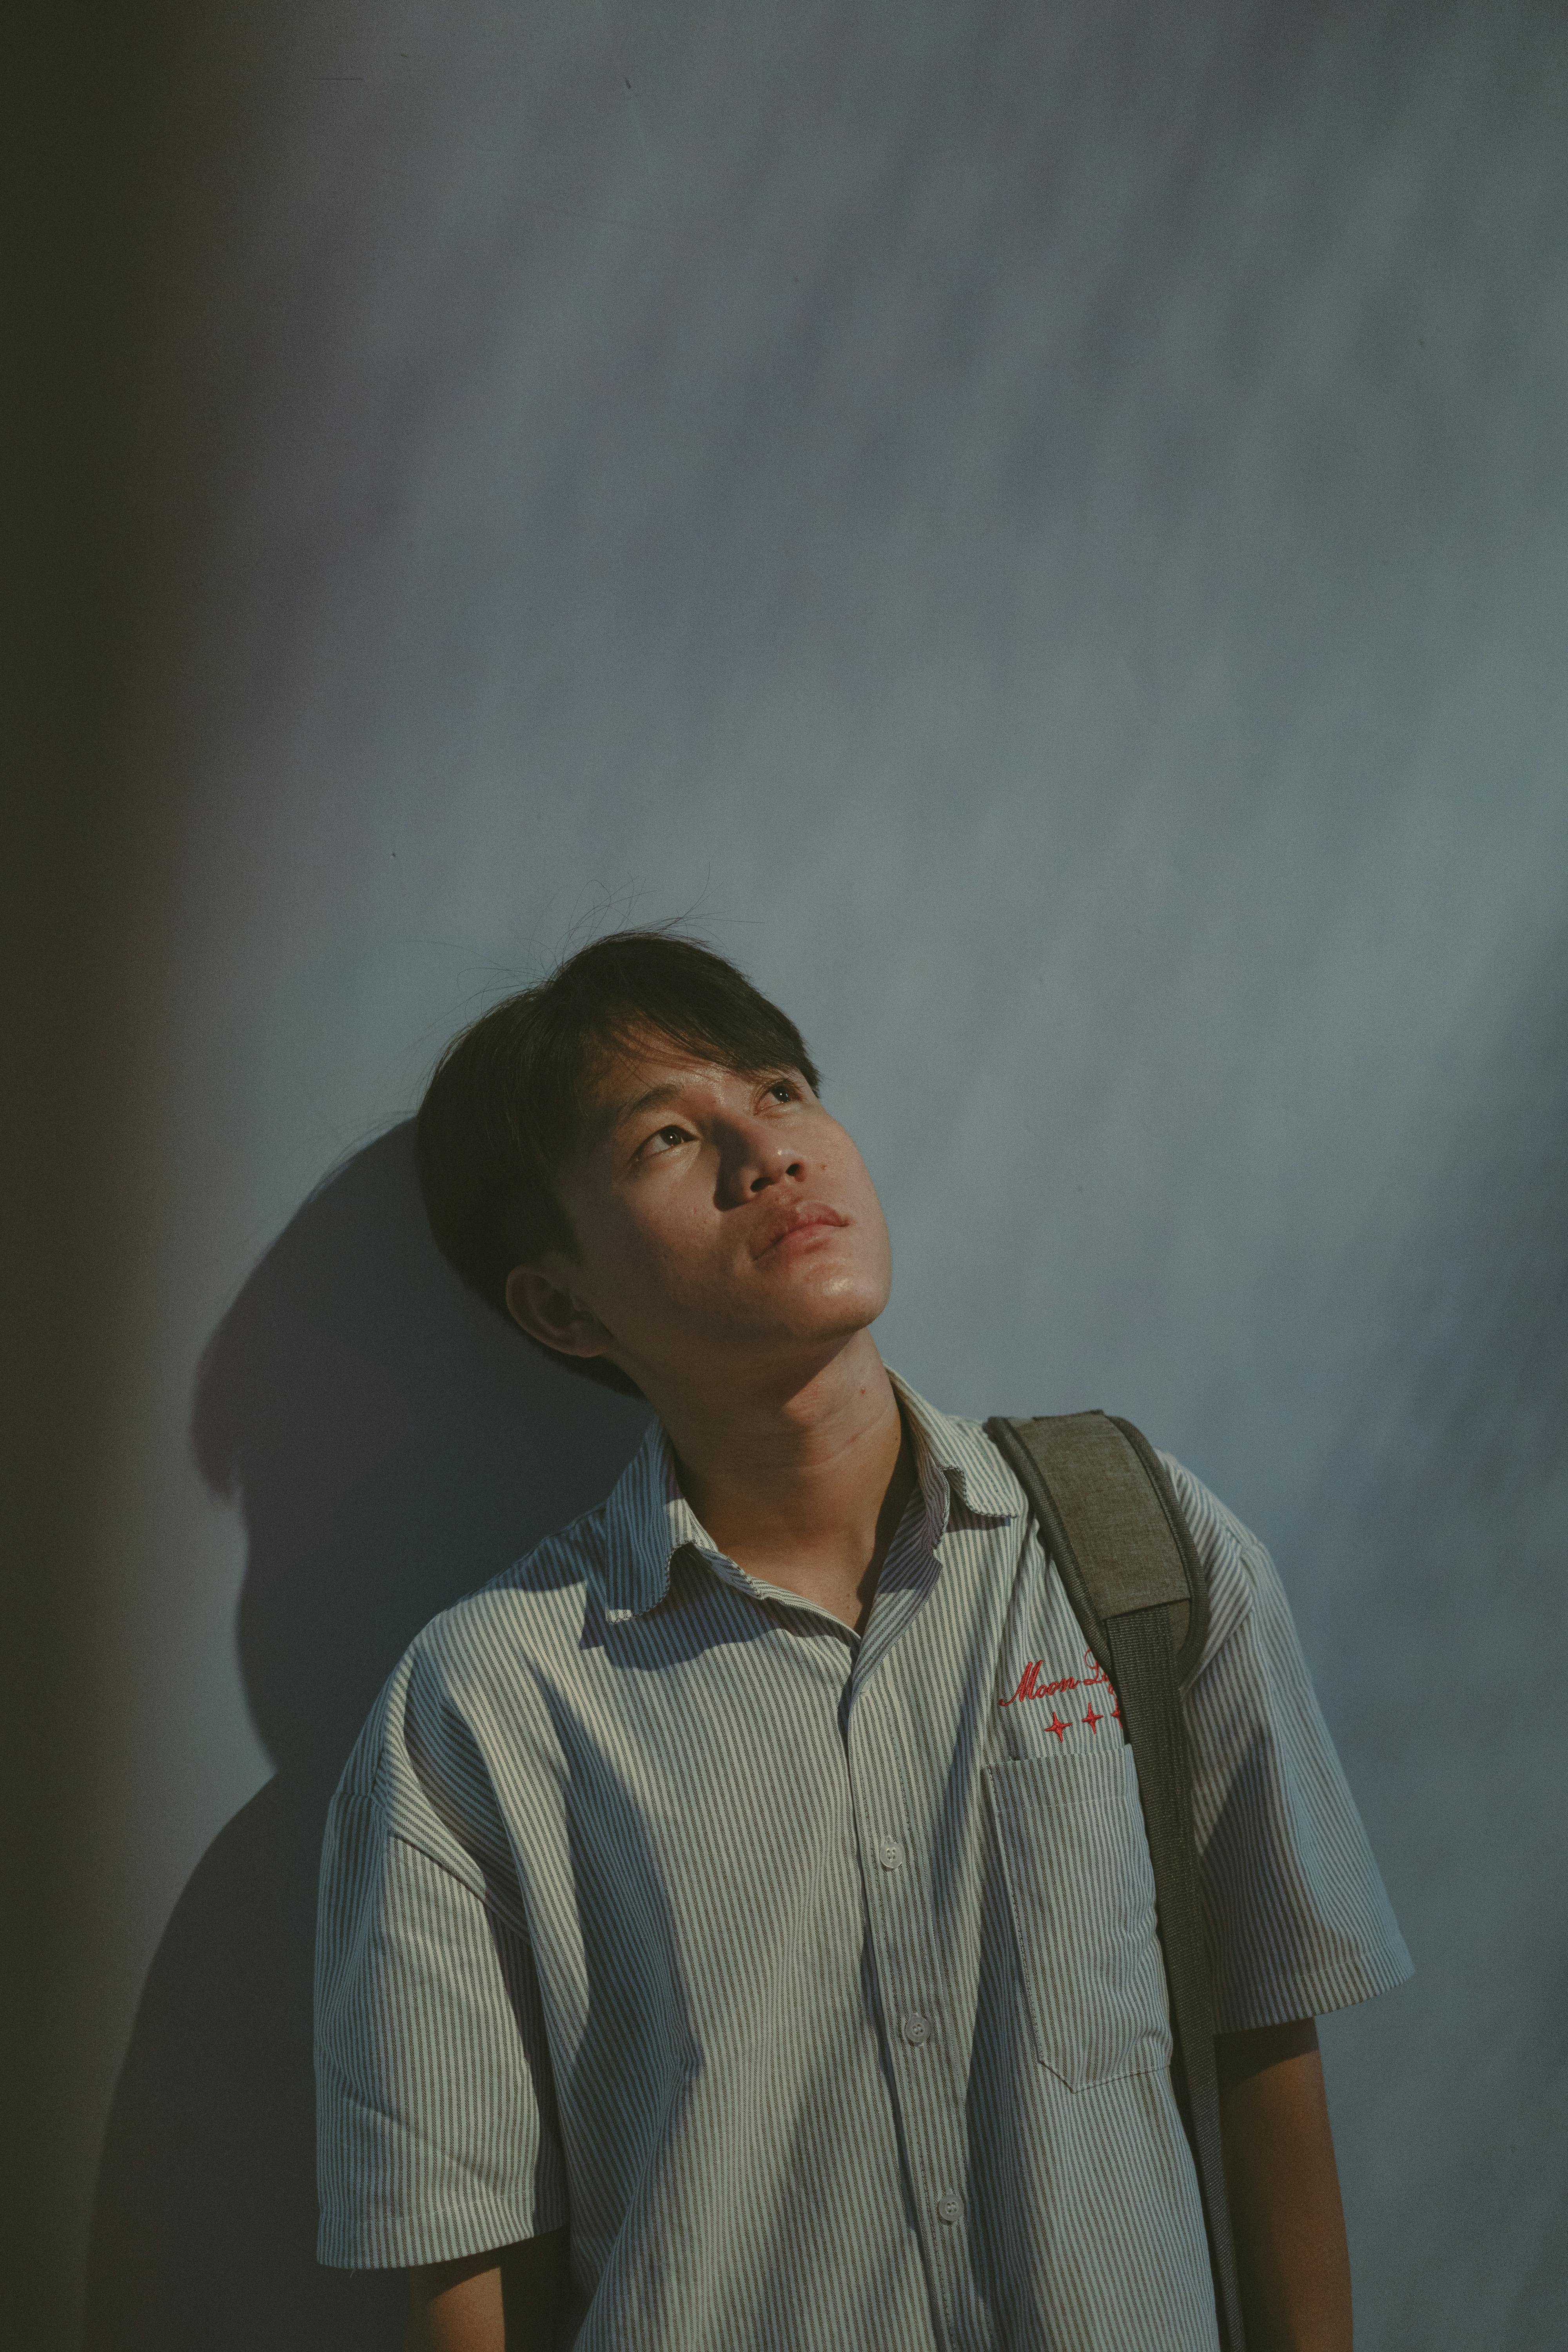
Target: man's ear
[{"x": 541, "y": 1299}]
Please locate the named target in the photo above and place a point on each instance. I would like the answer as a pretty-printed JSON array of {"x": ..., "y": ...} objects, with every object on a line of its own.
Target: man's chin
[
  {"x": 817, "y": 1323},
  {"x": 826, "y": 1281}
]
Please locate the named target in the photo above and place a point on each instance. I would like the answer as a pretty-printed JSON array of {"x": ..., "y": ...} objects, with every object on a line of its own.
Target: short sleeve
[
  {"x": 434, "y": 2115},
  {"x": 1300, "y": 1922}
]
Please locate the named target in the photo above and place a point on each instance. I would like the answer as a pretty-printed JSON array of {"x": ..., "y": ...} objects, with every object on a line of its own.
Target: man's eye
[
  {"x": 663, "y": 1136},
  {"x": 783, "y": 1088}
]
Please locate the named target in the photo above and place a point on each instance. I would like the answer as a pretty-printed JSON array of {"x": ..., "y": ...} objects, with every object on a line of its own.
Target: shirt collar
[
  {"x": 649, "y": 1520},
  {"x": 978, "y": 1478}
]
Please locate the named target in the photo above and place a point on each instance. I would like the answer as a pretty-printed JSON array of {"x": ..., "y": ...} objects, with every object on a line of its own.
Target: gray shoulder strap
[
  {"x": 1124, "y": 1552},
  {"x": 1111, "y": 1524}
]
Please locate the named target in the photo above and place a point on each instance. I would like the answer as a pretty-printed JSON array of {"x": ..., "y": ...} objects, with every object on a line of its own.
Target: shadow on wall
[{"x": 392, "y": 1445}]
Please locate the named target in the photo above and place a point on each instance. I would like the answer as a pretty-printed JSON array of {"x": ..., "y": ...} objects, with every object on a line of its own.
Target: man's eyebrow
[
  {"x": 613, "y": 1116},
  {"x": 617, "y": 1114}
]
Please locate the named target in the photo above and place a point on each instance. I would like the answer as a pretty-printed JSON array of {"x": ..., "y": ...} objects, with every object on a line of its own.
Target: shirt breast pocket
[{"x": 1081, "y": 1893}]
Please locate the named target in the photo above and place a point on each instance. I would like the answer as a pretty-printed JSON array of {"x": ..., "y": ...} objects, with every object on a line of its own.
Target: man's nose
[
  {"x": 760, "y": 1156},
  {"x": 778, "y": 1161}
]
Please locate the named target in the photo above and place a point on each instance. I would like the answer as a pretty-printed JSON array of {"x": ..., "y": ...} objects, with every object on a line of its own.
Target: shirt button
[
  {"x": 948, "y": 2209},
  {"x": 890, "y": 1854},
  {"x": 917, "y": 2028}
]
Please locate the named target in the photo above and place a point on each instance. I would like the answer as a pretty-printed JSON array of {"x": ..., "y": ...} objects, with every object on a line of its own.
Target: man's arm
[
  {"x": 509, "y": 2300},
  {"x": 1284, "y": 2190}
]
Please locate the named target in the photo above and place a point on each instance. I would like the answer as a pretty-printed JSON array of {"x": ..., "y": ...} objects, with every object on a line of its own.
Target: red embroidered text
[{"x": 1031, "y": 1686}]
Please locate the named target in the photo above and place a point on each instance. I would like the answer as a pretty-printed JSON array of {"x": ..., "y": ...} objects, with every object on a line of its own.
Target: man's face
[{"x": 725, "y": 1221}]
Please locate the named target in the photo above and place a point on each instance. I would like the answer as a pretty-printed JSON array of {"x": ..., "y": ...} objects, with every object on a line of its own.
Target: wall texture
[{"x": 1040, "y": 529}]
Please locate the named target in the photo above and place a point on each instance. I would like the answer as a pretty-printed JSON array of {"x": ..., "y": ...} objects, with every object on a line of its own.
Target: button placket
[{"x": 902, "y": 1961}]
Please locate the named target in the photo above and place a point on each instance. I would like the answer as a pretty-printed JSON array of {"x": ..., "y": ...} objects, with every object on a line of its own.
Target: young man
[{"x": 737, "y": 1928}]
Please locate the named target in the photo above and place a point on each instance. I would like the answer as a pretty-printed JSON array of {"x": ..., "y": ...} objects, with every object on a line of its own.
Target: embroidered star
[
  {"x": 1091, "y": 1718},
  {"x": 1115, "y": 1714},
  {"x": 1058, "y": 1727}
]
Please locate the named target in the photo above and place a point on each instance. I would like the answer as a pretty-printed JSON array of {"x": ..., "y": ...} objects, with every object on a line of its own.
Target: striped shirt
[{"x": 810, "y": 1978}]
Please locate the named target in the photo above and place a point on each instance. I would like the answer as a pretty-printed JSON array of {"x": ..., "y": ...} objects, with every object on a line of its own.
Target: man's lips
[{"x": 783, "y": 1223}]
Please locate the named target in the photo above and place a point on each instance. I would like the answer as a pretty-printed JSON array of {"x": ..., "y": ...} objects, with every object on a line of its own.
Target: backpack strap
[{"x": 1111, "y": 1523}]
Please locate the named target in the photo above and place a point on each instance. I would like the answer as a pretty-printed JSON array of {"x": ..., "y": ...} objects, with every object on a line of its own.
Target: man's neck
[{"x": 803, "y": 1488}]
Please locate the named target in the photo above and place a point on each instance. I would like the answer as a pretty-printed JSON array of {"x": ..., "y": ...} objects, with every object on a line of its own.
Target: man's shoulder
[
  {"x": 546, "y": 1586},
  {"x": 1234, "y": 1561},
  {"x": 523, "y": 1627},
  {"x": 483, "y": 1665}
]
